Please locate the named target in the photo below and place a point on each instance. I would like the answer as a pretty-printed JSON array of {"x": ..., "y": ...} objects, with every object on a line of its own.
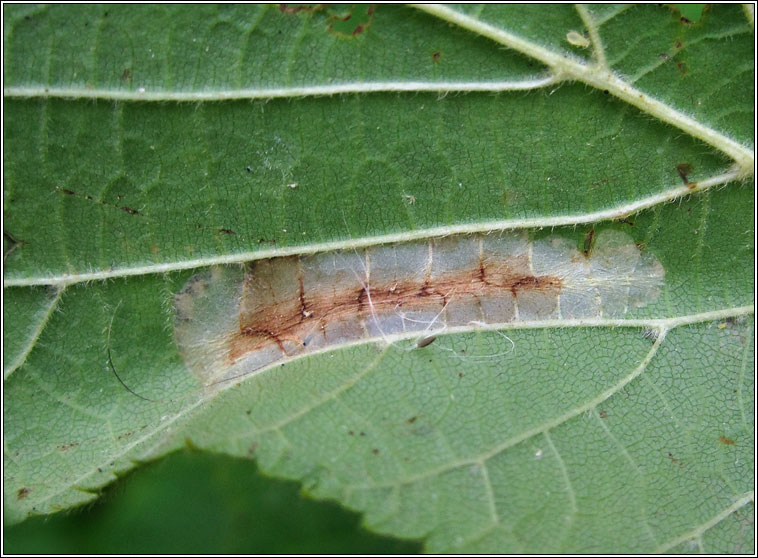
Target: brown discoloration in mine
[
  {"x": 362, "y": 298},
  {"x": 589, "y": 242},
  {"x": 726, "y": 441},
  {"x": 301, "y": 293},
  {"x": 545, "y": 284},
  {"x": 292, "y": 319}
]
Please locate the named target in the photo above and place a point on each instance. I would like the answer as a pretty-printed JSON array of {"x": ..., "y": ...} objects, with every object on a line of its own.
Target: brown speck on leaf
[
  {"x": 684, "y": 169},
  {"x": 675, "y": 460},
  {"x": 436, "y": 56},
  {"x": 682, "y": 66},
  {"x": 411, "y": 420},
  {"x": 130, "y": 211},
  {"x": 351, "y": 433},
  {"x": 685, "y": 20},
  {"x": 726, "y": 441},
  {"x": 248, "y": 412},
  {"x": 126, "y": 75},
  {"x": 678, "y": 45},
  {"x": 23, "y": 493},
  {"x": 375, "y": 451},
  {"x": 363, "y": 433},
  {"x": 603, "y": 414},
  {"x": 253, "y": 447},
  {"x": 226, "y": 231},
  {"x": 337, "y": 22}
]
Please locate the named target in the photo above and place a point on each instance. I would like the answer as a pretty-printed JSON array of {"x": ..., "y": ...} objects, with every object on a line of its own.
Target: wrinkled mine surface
[{"x": 234, "y": 320}]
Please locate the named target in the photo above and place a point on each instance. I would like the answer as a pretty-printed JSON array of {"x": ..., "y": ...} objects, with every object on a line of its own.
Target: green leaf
[
  {"x": 145, "y": 143},
  {"x": 691, "y": 12},
  {"x": 201, "y": 504}
]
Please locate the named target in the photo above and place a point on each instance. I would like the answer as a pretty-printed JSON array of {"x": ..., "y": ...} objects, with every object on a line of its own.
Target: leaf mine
[{"x": 232, "y": 321}]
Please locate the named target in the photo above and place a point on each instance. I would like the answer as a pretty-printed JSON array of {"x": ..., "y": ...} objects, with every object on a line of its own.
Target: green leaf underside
[
  {"x": 464, "y": 159},
  {"x": 452, "y": 181},
  {"x": 28, "y": 310},
  {"x": 580, "y": 439}
]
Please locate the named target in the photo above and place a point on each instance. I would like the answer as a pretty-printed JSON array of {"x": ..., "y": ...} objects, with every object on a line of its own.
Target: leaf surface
[{"x": 148, "y": 142}]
